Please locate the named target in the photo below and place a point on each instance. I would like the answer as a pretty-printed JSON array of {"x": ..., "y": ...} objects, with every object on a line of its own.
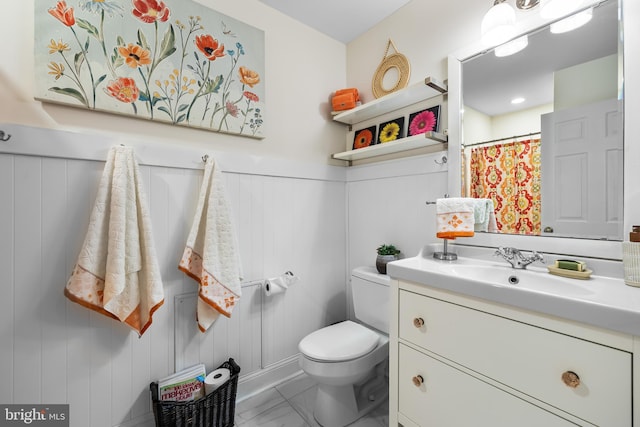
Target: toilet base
[{"x": 338, "y": 406}]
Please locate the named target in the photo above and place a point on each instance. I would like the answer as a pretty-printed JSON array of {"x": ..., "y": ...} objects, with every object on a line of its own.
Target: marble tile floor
[{"x": 290, "y": 404}]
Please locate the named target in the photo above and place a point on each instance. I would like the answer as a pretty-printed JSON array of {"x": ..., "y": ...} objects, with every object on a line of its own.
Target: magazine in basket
[{"x": 187, "y": 384}]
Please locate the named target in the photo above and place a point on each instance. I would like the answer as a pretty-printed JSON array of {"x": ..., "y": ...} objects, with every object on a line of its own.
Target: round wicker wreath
[{"x": 395, "y": 60}]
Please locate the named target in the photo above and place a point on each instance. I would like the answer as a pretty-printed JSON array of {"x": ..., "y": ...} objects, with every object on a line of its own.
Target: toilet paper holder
[{"x": 279, "y": 284}]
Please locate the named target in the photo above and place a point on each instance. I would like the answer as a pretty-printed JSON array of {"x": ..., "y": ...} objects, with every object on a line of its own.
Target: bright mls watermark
[{"x": 34, "y": 415}]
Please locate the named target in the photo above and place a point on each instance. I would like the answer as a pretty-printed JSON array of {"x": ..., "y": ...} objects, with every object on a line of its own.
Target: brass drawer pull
[
  {"x": 571, "y": 379},
  {"x": 417, "y": 380},
  {"x": 418, "y": 322}
]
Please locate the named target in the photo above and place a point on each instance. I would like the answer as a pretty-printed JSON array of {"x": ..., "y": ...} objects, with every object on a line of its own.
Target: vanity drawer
[
  {"x": 432, "y": 393},
  {"x": 524, "y": 357}
]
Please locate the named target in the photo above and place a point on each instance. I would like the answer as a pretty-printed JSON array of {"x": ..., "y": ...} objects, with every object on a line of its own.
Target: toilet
[{"x": 349, "y": 360}]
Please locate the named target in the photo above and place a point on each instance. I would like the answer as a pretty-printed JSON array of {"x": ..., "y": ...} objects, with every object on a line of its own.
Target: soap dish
[{"x": 572, "y": 274}]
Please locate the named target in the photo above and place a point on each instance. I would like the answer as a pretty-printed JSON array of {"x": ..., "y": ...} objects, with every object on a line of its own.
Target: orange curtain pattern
[{"x": 509, "y": 174}]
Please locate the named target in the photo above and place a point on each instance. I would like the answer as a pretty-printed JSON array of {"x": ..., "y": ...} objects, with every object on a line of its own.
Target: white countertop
[{"x": 602, "y": 301}]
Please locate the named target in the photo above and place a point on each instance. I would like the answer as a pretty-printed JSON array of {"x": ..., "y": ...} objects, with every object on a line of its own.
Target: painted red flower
[
  {"x": 210, "y": 47},
  {"x": 251, "y": 96},
  {"x": 63, "y": 13},
  {"x": 150, "y": 11},
  {"x": 124, "y": 90}
]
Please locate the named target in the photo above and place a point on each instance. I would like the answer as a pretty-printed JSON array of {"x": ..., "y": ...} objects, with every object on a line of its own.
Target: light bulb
[
  {"x": 498, "y": 24},
  {"x": 572, "y": 22},
  {"x": 552, "y": 9},
  {"x": 512, "y": 47}
]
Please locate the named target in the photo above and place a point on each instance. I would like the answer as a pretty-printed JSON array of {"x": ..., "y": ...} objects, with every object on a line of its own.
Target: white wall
[
  {"x": 426, "y": 32},
  {"x": 599, "y": 75},
  {"x": 387, "y": 204}
]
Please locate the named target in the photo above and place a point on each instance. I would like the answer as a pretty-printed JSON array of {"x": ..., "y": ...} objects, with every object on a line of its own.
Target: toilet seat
[{"x": 340, "y": 342}]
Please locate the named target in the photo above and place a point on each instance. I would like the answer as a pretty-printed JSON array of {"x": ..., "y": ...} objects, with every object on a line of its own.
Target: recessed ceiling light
[{"x": 518, "y": 100}]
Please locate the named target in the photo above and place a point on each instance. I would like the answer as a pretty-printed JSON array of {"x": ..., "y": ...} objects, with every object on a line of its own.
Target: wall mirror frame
[{"x": 560, "y": 245}]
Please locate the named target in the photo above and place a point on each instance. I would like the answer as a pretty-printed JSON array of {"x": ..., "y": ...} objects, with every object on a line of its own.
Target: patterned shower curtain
[{"x": 510, "y": 175}]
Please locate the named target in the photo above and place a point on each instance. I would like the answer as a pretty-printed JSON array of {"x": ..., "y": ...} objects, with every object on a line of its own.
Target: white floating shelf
[
  {"x": 402, "y": 144},
  {"x": 416, "y": 92}
]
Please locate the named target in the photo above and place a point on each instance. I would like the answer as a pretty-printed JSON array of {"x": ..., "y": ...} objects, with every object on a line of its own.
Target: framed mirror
[{"x": 552, "y": 161}]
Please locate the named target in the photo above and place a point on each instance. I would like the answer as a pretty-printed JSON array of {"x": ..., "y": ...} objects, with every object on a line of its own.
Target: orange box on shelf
[{"x": 345, "y": 99}]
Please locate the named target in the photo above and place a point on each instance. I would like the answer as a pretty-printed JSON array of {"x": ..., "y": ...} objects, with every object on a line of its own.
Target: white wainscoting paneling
[{"x": 55, "y": 351}]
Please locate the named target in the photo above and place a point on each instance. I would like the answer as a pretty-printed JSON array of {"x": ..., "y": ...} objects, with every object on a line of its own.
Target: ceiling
[{"x": 342, "y": 20}]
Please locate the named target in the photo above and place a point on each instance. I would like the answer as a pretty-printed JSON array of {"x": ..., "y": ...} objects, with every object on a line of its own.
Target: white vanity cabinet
[{"x": 459, "y": 361}]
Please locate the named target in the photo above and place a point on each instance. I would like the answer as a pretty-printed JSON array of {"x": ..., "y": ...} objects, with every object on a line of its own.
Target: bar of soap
[{"x": 569, "y": 264}]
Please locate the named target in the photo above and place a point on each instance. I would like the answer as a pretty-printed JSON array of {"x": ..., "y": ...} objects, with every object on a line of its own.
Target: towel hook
[
  {"x": 442, "y": 161},
  {"x": 3, "y": 137},
  {"x": 205, "y": 158}
]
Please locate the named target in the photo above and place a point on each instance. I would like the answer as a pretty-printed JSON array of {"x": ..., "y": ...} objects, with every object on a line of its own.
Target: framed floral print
[
  {"x": 424, "y": 121},
  {"x": 172, "y": 61},
  {"x": 364, "y": 137},
  {"x": 391, "y": 130}
]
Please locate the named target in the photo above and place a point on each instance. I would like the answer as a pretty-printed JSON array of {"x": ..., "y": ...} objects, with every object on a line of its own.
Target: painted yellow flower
[
  {"x": 57, "y": 46},
  {"x": 248, "y": 77},
  {"x": 389, "y": 132},
  {"x": 56, "y": 69}
]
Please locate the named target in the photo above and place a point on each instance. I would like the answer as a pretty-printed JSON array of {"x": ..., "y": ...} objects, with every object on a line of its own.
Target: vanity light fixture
[
  {"x": 512, "y": 47},
  {"x": 553, "y": 9},
  {"x": 498, "y": 24},
  {"x": 572, "y": 22}
]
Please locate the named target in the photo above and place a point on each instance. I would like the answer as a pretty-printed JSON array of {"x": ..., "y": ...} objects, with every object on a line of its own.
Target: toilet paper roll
[
  {"x": 274, "y": 286},
  {"x": 215, "y": 379}
]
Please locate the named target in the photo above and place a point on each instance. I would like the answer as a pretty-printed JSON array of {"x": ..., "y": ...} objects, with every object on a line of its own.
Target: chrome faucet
[{"x": 517, "y": 259}]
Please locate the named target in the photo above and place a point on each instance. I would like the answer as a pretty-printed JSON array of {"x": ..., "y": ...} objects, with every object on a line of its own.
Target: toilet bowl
[{"x": 349, "y": 360}]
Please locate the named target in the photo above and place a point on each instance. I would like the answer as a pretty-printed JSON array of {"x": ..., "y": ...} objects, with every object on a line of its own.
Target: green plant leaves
[
  {"x": 91, "y": 29},
  {"x": 168, "y": 45},
  {"x": 70, "y": 92}
]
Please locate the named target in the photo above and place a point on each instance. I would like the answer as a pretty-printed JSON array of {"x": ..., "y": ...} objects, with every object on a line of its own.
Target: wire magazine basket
[{"x": 217, "y": 409}]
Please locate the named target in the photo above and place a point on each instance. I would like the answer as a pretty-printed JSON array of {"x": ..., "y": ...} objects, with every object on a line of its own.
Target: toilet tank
[{"x": 370, "y": 292}]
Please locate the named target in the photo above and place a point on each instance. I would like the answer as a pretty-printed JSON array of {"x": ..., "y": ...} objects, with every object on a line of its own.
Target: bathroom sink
[
  {"x": 600, "y": 300},
  {"x": 528, "y": 280}
]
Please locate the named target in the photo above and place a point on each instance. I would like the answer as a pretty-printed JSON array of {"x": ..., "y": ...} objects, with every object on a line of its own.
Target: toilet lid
[{"x": 343, "y": 341}]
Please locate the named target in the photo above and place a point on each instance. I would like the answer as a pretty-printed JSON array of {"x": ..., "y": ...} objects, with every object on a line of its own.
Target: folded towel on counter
[
  {"x": 484, "y": 215},
  {"x": 117, "y": 271},
  {"x": 462, "y": 216},
  {"x": 455, "y": 217},
  {"x": 211, "y": 254}
]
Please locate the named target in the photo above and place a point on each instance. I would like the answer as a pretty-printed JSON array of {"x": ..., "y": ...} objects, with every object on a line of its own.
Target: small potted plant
[{"x": 386, "y": 253}]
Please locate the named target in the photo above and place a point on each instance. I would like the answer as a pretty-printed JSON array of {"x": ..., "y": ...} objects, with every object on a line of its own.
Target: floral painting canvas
[
  {"x": 424, "y": 121},
  {"x": 174, "y": 61}
]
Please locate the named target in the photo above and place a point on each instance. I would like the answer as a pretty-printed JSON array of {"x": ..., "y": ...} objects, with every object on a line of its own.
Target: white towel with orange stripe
[
  {"x": 454, "y": 217},
  {"x": 211, "y": 255},
  {"x": 117, "y": 271},
  {"x": 462, "y": 216}
]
